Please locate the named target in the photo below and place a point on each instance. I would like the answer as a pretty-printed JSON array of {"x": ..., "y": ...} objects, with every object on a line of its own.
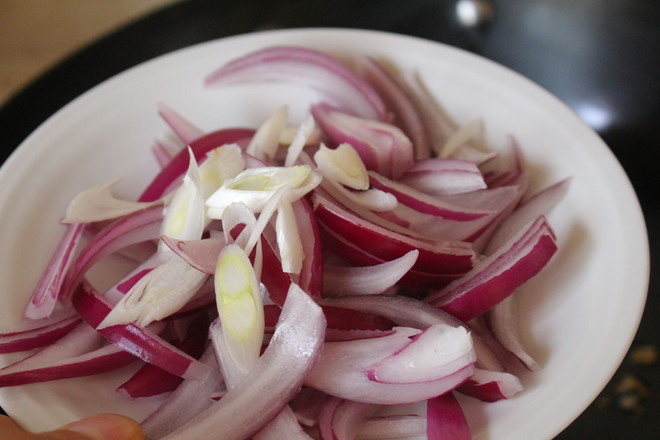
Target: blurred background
[{"x": 601, "y": 57}]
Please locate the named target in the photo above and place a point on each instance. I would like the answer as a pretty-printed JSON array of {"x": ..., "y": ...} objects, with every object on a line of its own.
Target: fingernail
[{"x": 107, "y": 427}]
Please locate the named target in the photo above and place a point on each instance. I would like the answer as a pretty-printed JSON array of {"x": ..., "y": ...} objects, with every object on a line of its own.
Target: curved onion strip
[
  {"x": 445, "y": 419},
  {"x": 140, "y": 226},
  {"x": 76, "y": 354},
  {"x": 414, "y": 313},
  {"x": 183, "y": 128},
  {"x": 503, "y": 323},
  {"x": 311, "y": 274},
  {"x": 135, "y": 340},
  {"x": 381, "y": 146},
  {"x": 43, "y": 299},
  {"x": 423, "y": 202},
  {"x": 303, "y": 66},
  {"x": 490, "y": 386},
  {"x": 341, "y": 372},
  {"x": 367, "y": 280},
  {"x": 274, "y": 379},
  {"x": 436, "y": 257},
  {"x": 179, "y": 164},
  {"x": 349, "y": 416},
  {"x": 12, "y": 342},
  {"x": 444, "y": 176},
  {"x": 189, "y": 399},
  {"x": 151, "y": 380},
  {"x": 498, "y": 275},
  {"x": 397, "y": 99},
  {"x": 414, "y": 279}
]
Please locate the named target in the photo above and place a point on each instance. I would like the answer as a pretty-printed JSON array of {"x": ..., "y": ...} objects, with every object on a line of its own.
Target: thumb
[{"x": 100, "y": 427}]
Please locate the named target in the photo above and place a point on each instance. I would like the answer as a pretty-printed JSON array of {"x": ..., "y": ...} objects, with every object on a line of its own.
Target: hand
[{"x": 99, "y": 427}]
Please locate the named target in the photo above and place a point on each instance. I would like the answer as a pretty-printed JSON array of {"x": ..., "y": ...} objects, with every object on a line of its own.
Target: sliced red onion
[
  {"x": 161, "y": 153},
  {"x": 134, "y": 228},
  {"x": 414, "y": 313},
  {"x": 311, "y": 275},
  {"x": 272, "y": 382},
  {"x": 13, "y": 341},
  {"x": 444, "y": 176},
  {"x": 138, "y": 341},
  {"x": 392, "y": 427},
  {"x": 436, "y": 257},
  {"x": 383, "y": 147},
  {"x": 503, "y": 322},
  {"x": 342, "y": 370},
  {"x": 337, "y": 318},
  {"x": 491, "y": 386},
  {"x": 423, "y": 202},
  {"x": 397, "y": 99},
  {"x": 43, "y": 299},
  {"x": 414, "y": 279},
  {"x": 540, "y": 203},
  {"x": 498, "y": 275},
  {"x": 79, "y": 353},
  {"x": 366, "y": 280},
  {"x": 200, "y": 254},
  {"x": 191, "y": 398},
  {"x": 306, "y": 67},
  {"x": 151, "y": 380},
  {"x": 445, "y": 419},
  {"x": 179, "y": 164},
  {"x": 437, "y": 352},
  {"x": 184, "y": 129}
]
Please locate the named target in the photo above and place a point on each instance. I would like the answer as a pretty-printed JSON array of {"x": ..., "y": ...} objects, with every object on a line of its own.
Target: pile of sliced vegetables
[{"x": 290, "y": 281}]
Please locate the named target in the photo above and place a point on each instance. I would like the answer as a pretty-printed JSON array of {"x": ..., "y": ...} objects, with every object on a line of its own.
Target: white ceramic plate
[{"x": 580, "y": 314}]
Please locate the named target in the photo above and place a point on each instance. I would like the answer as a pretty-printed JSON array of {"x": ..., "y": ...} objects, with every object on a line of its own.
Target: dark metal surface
[{"x": 601, "y": 57}]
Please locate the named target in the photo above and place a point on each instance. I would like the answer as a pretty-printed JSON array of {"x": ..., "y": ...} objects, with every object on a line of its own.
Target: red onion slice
[
  {"x": 306, "y": 67},
  {"x": 200, "y": 254},
  {"x": 414, "y": 279},
  {"x": 342, "y": 370},
  {"x": 311, "y": 277},
  {"x": 191, "y": 398},
  {"x": 367, "y": 280},
  {"x": 498, "y": 275},
  {"x": 424, "y": 203},
  {"x": 272, "y": 382},
  {"x": 134, "y": 228},
  {"x": 381, "y": 146},
  {"x": 48, "y": 289},
  {"x": 446, "y": 420},
  {"x": 79, "y": 353},
  {"x": 435, "y": 257},
  {"x": 183, "y": 128},
  {"x": 179, "y": 164},
  {"x": 14, "y": 341},
  {"x": 444, "y": 176},
  {"x": 491, "y": 386},
  {"x": 397, "y": 99},
  {"x": 138, "y": 341}
]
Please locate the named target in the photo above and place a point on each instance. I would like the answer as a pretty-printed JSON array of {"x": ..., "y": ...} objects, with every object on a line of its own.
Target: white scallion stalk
[
  {"x": 344, "y": 165},
  {"x": 184, "y": 216},
  {"x": 288, "y": 239},
  {"x": 256, "y": 186},
  {"x": 305, "y": 130},
  {"x": 266, "y": 140},
  {"x": 221, "y": 164},
  {"x": 240, "y": 306}
]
